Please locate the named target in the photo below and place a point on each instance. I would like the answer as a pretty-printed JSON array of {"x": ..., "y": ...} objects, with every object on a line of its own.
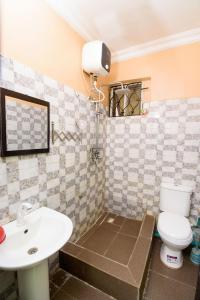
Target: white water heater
[{"x": 96, "y": 58}]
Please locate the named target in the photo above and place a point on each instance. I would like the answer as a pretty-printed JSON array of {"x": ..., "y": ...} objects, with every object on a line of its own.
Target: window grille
[{"x": 125, "y": 99}]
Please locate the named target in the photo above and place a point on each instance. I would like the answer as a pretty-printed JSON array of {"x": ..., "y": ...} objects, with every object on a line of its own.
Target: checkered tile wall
[
  {"x": 143, "y": 150},
  {"x": 139, "y": 153},
  {"x": 65, "y": 179}
]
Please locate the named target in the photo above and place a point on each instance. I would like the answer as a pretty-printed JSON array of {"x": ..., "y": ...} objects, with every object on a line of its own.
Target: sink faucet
[{"x": 23, "y": 209}]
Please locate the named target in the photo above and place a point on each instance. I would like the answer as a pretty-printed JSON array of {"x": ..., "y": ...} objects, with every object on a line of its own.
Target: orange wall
[
  {"x": 33, "y": 34},
  {"x": 174, "y": 73}
]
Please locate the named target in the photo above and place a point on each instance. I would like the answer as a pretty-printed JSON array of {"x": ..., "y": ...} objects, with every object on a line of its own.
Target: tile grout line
[
  {"x": 122, "y": 222},
  {"x": 135, "y": 243},
  {"x": 91, "y": 264},
  {"x": 95, "y": 288},
  {"x": 92, "y": 251},
  {"x": 172, "y": 279},
  {"x": 83, "y": 248},
  {"x": 115, "y": 232},
  {"x": 102, "y": 257},
  {"x": 146, "y": 283},
  {"x": 111, "y": 241},
  {"x": 75, "y": 242},
  {"x": 106, "y": 251},
  {"x": 61, "y": 286},
  {"x": 109, "y": 259},
  {"x": 103, "y": 220},
  {"x": 139, "y": 235},
  {"x": 129, "y": 235}
]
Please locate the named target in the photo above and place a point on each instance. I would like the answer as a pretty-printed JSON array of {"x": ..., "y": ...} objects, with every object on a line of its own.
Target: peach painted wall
[
  {"x": 33, "y": 34},
  {"x": 174, "y": 73}
]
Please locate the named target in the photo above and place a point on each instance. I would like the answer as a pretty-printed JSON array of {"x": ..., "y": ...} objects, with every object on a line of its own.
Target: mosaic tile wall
[
  {"x": 66, "y": 179},
  {"x": 142, "y": 151}
]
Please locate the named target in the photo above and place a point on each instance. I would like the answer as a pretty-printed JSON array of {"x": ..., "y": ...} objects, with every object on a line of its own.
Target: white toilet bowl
[{"x": 176, "y": 234}]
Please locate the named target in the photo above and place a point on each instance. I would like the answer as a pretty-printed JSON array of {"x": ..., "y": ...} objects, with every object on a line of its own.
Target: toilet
[{"x": 173, "y": 226}]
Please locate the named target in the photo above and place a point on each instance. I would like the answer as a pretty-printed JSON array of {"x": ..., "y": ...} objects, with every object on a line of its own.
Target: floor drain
[
  {"x": 110, "y": 220},
  {"x": 32, "y": 250}
]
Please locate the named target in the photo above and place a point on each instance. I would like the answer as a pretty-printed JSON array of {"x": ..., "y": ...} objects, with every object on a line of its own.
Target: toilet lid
[{"x": 174, "y": 226}]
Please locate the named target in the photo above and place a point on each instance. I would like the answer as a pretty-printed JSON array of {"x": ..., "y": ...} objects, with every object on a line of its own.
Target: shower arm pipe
[
  {"x": 113, "y": 84},
  {"x": 97, "y": 124}
]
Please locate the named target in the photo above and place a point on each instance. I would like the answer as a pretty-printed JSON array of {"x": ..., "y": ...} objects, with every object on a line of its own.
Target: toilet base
[{"x": 170, "y": 257}]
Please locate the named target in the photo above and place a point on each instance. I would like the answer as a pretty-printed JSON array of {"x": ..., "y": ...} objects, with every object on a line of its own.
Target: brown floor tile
[
  {"x": 102, "y": 223},
  {"x": 131, "y": 227},
  {"x": 163, "y": 288},
  {"x": 110, "y": 226},
  {"x": 106, "y": 265},
  {"x": 101, "y": 218},
  {"x": 62, "y": 295},
  {"x": 121, "y": 248},
  {"x": 147, "y": 227},
  {"x": 85, "y": 237},
  {"x": 119, "y": 220},
  {"x": 53, "y": 289},
  {"x": 72, "y": 249},
  {"x": 82, "y": 291},
  {"x": 100, "y": 240},
  {"x": 95, "y": 269},
  {"x": 139, "y": 258},
  {"x": 188, "y": 274},
  {"x": 59, "y": 277}
]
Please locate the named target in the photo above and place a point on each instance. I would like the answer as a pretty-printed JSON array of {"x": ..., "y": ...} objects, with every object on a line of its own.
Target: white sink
[{"x": 27, "y": 248}]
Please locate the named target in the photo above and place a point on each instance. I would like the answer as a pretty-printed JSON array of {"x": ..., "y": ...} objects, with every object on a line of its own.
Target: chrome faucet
[{"x": 22, "y": 210}]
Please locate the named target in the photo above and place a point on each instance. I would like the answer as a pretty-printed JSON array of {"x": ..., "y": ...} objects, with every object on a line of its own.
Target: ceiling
[{"x": 126, "y": 24}]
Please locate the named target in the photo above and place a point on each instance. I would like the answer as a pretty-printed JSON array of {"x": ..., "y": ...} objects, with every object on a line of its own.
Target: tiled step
[
  {"x": 63, "y": 286},
  {"x": 98, "y": 257}
]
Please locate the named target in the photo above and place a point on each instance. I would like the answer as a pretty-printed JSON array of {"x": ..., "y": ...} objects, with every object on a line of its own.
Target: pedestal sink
[{"x": 27, "y": 248}]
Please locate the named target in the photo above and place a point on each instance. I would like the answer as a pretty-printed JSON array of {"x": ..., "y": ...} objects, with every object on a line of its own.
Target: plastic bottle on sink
[{"x": 2, "y": 234}]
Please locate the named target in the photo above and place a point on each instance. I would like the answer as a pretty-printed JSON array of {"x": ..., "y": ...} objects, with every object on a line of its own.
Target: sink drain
[{"x": 32, "y": 250}]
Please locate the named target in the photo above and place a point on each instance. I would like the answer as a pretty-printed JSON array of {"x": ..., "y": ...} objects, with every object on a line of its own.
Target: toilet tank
[{"x": 175, "y": 198}]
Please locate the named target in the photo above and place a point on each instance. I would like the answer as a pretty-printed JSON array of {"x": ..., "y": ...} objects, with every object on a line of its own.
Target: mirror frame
[{"x": 3, "y": 139}]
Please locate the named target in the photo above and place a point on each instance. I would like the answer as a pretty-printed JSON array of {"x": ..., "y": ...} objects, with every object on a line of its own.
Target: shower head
[{"x": 122, "y": 91}]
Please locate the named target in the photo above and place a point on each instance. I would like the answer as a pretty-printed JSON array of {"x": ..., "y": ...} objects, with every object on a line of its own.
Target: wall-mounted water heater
[{"x": 96, "y": 58}]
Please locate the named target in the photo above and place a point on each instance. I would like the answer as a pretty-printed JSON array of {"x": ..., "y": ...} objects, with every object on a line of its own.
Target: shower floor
[{"x": 112, "y": 256}]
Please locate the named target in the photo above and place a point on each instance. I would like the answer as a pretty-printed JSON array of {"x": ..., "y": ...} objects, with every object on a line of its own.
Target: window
[{"x": 125, "y": 99}]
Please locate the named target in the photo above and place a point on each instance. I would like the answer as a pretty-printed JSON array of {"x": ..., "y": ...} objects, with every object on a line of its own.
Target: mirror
[{"x": 24, "y": 124}]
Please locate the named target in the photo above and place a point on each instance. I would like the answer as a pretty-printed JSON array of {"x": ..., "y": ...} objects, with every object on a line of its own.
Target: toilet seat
[{"x": 174, "y": 228}]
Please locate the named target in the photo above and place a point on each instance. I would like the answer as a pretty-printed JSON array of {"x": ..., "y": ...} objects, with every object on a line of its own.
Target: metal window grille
[{"x": 125, "y": 100}]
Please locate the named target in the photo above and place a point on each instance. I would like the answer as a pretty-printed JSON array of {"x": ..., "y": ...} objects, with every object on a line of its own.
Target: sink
[
  {"x": 27, "y": 248},
  {"x": 46, "y": 231}
]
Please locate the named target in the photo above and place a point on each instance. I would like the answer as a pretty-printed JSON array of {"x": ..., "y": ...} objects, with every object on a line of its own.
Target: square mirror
[{"x": 24, "y": 124}]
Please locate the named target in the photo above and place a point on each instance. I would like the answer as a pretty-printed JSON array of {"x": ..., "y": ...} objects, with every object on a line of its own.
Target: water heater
[{"x": 96, "y": 58}]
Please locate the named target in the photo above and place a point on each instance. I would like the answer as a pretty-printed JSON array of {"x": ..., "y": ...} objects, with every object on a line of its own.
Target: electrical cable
[{"x": 94, "y": 87}]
